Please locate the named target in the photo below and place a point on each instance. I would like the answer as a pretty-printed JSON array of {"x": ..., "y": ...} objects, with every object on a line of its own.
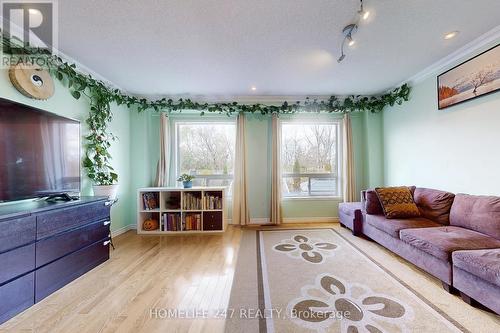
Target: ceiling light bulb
[
  {"x": 253, "y": 88},
  {"x": 351, "y": 42},
  {"x": 365, "y": 15},
  {"x": 450, "y": 35}
]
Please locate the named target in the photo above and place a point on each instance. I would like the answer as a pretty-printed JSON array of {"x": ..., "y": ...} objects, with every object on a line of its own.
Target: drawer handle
[
  {"x": 107, "y": 223},
  {"x": 106, "y": 243}
]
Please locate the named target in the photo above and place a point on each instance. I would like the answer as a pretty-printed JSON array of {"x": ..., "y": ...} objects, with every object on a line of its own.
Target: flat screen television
[{"x": 39, "y": 153}]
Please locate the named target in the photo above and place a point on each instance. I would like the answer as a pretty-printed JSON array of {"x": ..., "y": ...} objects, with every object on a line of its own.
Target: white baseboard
[
  {"x": 266, "y": 220},
  {"x": 255, "y": 221},
  {"x": 260, "y": 220},
  {"x": 123, "y": 230},
  {"x": 310, "y": 220}
]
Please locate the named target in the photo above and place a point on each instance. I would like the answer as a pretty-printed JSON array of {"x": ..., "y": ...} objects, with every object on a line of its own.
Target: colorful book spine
[{"x": 212, "y": 202}]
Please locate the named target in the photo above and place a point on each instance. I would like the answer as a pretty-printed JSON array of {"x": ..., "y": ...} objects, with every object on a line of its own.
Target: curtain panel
[
  {"x": 240, "y": 201},
  {"x": 276, "y": 171},
  {"x": 162, "y": 170},
  {"x": 349, "y": 181}
]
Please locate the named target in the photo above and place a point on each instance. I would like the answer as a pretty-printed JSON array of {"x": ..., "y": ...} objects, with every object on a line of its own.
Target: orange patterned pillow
[{"x": 397, "y": 202}]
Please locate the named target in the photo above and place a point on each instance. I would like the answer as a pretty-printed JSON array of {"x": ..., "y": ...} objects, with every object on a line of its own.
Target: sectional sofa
[{"x": 456, "y": 238}]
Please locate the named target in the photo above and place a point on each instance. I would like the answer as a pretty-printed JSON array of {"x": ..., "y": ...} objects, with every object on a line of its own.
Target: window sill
[{"x": 312, "y": 198}]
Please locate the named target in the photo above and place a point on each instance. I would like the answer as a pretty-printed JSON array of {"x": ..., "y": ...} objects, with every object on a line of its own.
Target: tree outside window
[
  {"x": 206, "y": 150},
  {"x": 310, "y": 163}
]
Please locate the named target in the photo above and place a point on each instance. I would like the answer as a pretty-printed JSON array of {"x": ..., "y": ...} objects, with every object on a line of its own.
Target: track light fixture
[
  {"x": 347, "y": 31},
  {"x": 364, "y": 14},
  {"x": 351, "y": 29}
]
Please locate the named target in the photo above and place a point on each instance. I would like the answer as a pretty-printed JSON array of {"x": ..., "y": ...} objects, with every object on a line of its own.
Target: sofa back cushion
[
  {"x": 397, "y": 202},
  {"x": 371, "y": 203},
  {"x": 434, "y": 204},
  {"x": 477, "y": 212}
]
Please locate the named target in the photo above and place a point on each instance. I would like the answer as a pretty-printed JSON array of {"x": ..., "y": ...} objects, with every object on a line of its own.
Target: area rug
[{"x": 315, "y": 280}]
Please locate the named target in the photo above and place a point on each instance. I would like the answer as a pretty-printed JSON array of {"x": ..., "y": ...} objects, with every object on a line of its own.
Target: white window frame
[
  {"x": 339, "y": 173},
  {"x": 206, "y": 121}
]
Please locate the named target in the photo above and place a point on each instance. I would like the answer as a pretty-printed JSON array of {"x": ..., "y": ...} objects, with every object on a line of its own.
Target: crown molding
[
  {"x": 476, "y": 45},
  {"x": 242, "y": 99}
]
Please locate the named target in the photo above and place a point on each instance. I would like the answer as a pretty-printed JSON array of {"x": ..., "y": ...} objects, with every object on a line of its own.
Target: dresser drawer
[
  {"x": 16, "y": 296},
  {"x": 17, "y": 232},
  {"x": 212, "y": 220},
  {"x": 52, "y": 248},
  {"x": 17, "y": 262},
  {"x": 57, "y": 221},
  {"x": 59, "y": 273}
]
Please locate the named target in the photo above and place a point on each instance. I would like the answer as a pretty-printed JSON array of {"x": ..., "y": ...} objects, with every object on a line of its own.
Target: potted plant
[
  {"x": 97, "y": 159},
  {"x": 105, "y": 186},
  {"x": 187, "y": 180}
]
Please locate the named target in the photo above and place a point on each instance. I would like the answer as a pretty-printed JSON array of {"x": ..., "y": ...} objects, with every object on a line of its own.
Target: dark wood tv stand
[{"x": 46, "y": 245}]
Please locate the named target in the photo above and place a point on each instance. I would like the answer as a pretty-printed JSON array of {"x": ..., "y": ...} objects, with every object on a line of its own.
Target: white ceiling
[{"x": 283, "y": 47}]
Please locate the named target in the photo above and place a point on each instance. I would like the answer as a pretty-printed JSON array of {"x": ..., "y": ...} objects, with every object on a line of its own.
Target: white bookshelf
[{"x": 184, "y": 205}]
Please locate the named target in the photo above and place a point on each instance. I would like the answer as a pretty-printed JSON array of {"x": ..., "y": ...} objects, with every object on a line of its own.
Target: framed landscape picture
[{"x": 473, "y": 78}]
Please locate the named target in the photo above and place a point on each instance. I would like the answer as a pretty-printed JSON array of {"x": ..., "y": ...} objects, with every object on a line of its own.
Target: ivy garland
[{"x": 97, "y": 157}]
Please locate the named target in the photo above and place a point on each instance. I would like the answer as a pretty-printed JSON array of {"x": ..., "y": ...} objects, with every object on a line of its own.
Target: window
[
  {"x": 206, "y": 150},
  {"x": 310, "y": 159}
]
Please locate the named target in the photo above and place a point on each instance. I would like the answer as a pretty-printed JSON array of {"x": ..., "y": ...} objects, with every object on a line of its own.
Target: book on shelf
[
  {"x": 150, "y": 201},
  {"x": 172, "y": 222},
  {"x": 192, "y": 222},
  {"x": 191, "y": 202},
  {"x": 212, "y": 202}
]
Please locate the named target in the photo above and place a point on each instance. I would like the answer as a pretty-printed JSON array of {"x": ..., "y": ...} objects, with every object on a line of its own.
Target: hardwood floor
[
  {"x": 148, "y": 273},
  {"x": 145, "y": 277}
]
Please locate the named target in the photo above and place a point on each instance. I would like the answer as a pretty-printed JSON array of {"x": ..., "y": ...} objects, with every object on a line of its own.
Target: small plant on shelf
[{"x": 187, "y": 180}]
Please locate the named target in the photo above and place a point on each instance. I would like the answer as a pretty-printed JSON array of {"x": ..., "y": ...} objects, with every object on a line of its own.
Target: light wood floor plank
[
  {"x": 144, "y": 272},
  {"x": 180, "y": 272}
]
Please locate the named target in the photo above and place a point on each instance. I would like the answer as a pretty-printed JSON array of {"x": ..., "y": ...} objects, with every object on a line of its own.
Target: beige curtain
[
  {"x": 348, "y": 162},
  {"x": 162, "y": 170},
  {"x": 240, "y": 208},
  {"x": 276, "y": 171}
]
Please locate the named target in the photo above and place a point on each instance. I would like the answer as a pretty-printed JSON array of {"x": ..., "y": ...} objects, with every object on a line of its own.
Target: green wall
[
  {"x": 373, "y": 167},
  {"x": 367, "y": 137},
  {"x": 64, "y": 104},
  {"x": 454, "y": 149},
  {"x": 136, "y": 153}
]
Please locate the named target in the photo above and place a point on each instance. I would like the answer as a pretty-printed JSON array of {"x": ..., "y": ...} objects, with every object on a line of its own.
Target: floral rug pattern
[
  {"x": 324, "y": 284},
  {"x": 310, "y": 250},
  {"x": 351, "y": 307}
]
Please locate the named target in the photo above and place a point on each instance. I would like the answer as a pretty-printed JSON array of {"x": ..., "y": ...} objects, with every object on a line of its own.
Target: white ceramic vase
[{"x": 109, "y": 191}]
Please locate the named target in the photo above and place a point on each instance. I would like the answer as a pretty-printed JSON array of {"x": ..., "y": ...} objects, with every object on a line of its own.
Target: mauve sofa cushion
[
  {"x": 482, "y": 263},
  {"x": 348, "y": 208},
  {"x": 434, "y": 204},
  {"x": 393, "y": 226},
  {"x": 442, "y": 241},
  {"x": 476, "y": 212},
  {"x": 371, "y": 202}
]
